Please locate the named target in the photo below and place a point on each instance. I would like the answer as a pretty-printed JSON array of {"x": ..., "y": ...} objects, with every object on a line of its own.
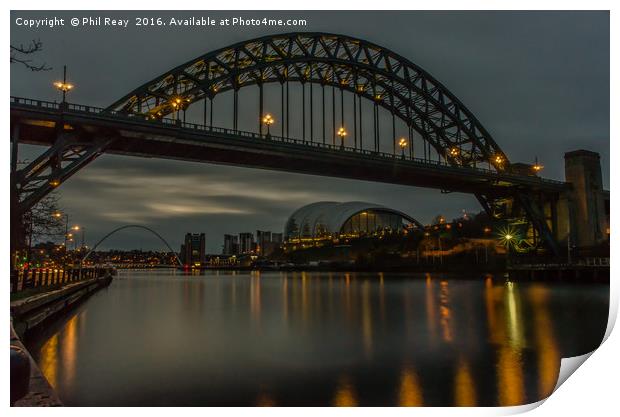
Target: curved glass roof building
[{"x": 327, "y": 219}]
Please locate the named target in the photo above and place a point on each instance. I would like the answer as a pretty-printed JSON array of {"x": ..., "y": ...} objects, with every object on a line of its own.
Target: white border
[{"x": 592, "y": 390}]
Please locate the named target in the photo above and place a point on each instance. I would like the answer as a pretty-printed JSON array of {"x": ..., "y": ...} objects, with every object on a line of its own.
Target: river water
[{"x": 318, "y": 338}]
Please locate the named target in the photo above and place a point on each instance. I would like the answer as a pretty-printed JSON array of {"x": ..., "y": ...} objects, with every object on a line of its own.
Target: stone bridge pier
[{"x": 582, "y": 212}]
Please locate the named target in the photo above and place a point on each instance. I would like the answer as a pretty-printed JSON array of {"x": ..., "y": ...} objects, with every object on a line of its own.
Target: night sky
[{"x": 538, "y": 82}]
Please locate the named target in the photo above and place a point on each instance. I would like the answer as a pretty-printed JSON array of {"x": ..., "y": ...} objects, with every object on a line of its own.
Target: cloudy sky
[{"x": 538, "y": 82}]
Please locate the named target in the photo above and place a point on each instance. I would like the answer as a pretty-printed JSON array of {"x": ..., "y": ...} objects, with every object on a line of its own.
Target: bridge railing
[
  {"x": 561, "y": 261},
  {"x": 24, "y": 279},
  {"x": 235, "y": 134}
]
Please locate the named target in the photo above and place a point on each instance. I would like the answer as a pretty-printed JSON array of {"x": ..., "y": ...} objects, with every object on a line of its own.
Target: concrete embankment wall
[{"x": 28, "y": 313}]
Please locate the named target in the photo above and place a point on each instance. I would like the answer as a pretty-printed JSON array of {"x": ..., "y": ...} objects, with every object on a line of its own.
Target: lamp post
[
  {"x": 537, "y": 167},
  {"x": 508, "y": 237},
  {"x": 498, "y": 161},
  {"x": 342, "y": 133},
  {"x": 178, "y": 104},
  {"x": 71, "y": 239},
  {"x": 454, "y": 153},
  {"x": 60, "y": 215},
  {"x": 83, "y": 229},
  {"x": 403, "y": 144},
  {"x": 268, "y": 121},
  {"x": 63, "y": 85},
  {"x": 81, "y": 256}
]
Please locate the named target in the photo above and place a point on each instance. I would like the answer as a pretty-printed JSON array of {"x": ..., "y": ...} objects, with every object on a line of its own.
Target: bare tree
[
  {"x": 20, "y": 54},
  {"x": 41, "y": 222}
]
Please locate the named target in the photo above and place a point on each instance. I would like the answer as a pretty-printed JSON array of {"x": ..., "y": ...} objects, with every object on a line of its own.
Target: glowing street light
[
  {"x": 63, "y": 85},
  {"x": 83, "y": 229},
  {"x": 499, "y": 160},
  {"x": 178, "y": 104},
  {"x": 403, "y": 144},
  {"x": 537, "y": 167},
  {"x": 509, "y": 236},
  {"x": 60, "y": 215},
  {"x": 342, "y": 133},
  {"x": 268, "y": 121}
]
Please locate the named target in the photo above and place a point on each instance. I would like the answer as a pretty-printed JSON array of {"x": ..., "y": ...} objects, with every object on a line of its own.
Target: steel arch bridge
[
  {"x": 458, "y": 153},
  {"x": 132, "y": 226},
  {"x": 367, "y": 70}
]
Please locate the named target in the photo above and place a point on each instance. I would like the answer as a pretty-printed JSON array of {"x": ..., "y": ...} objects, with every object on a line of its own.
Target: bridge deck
[{"x": 170, "y": 139}]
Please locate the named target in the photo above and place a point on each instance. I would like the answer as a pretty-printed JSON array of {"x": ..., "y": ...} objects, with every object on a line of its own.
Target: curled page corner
[
  {"x": 568, "y": 366},
  {"x": 521, "y": 409}
]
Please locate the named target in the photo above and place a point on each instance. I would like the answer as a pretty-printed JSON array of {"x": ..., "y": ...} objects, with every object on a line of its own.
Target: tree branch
[{"x": 19, "y": 54}]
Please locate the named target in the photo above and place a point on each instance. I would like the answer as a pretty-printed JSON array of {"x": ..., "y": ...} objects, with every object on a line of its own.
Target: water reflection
[
  {"x": 318, "y": 339},
  {"x": 409, "y": 393},
  {"x": 48, "y": 361},
  {"x": 465, "y": 388},
  {"x": 445, "y": 312},
  {"x": 58, "y": 355},
  {"x": 345, "y": 393},
  {"x": 549, "y": 357}
]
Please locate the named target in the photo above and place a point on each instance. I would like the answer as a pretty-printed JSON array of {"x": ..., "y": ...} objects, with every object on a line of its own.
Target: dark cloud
[{"x": 538, "y": 81}]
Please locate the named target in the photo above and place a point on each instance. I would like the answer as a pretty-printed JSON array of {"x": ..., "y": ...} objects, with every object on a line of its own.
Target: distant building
[
  {"x": 193, "y": 250},
  {"x": 267, "y": 242},
  {"x": 331, "y": 220},
  {"x": 277, "y": 238},
  {"x": 263, "y": 241},
  {"x": 231, "y": 245},
  {"x": 246, "y": 243}
]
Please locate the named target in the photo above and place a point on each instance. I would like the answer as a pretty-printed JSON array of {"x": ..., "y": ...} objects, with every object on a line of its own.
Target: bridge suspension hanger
[
  {"x": 303, "y": 110},
  {"x": 287, "y": 109},
  {"x": 361, "y": 119},
  {"x": 333, "y": 108},
  {"x": 323, "y": 108},
  {"x": 354, "y": 120},
  {"x": 260, "y": 106},
  {"x": 311, "y": 108},
  {"x": 282, "y": 107}
]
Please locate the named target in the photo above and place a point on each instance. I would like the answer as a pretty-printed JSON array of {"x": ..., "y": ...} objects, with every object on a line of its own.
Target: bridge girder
[
  {"x": 371, "y": 71},
  {"x": 70, "y": 152}
]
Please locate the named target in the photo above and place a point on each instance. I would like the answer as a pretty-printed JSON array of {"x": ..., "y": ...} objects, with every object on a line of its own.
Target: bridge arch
[
  {"x": 136, "y": 226},
  {"x": 365, "y": 69}
]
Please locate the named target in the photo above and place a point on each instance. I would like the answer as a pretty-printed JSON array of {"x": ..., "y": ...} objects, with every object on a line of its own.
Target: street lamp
[
  {"x": 403, "y": 144},
  {"x": 498, "y": 160},
  {"x": 83, "y": 229},
  {"x": 342, "y": 133},
  {"x": 63, "y": 85},
  {"x": 537, "y": 167},
  {"x": 508, "y": 237},
  {"x": 60, "y": 215},
  {"x": 178, "y": 104},
  {"x": 454, "y": 152},
  {"x": 268, "y": 121}
]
